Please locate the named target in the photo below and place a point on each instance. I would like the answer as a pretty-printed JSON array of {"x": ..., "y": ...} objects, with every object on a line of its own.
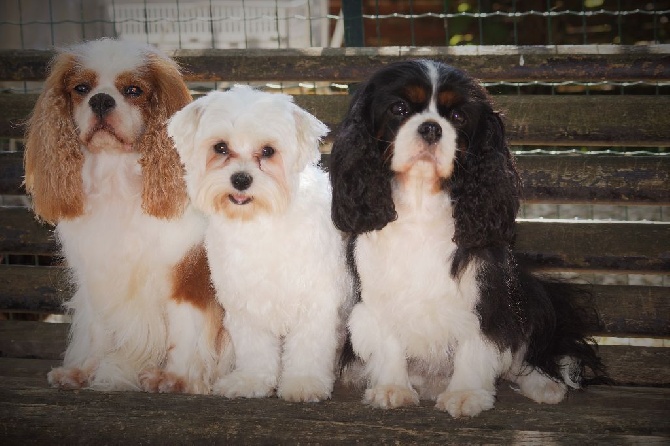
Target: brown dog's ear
[
  {"x": 163, "y": 184},
  {"x": 53, "y": 159}
]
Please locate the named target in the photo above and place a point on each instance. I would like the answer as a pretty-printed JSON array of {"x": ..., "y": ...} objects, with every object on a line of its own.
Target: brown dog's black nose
[
  {"x": 101, "y": 104},
  {"x": 241, "y": 180},
  {"x": 430, "y": 131}
]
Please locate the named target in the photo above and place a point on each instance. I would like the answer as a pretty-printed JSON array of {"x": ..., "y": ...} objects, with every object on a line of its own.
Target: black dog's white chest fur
[{"x": 405, "y": 267}]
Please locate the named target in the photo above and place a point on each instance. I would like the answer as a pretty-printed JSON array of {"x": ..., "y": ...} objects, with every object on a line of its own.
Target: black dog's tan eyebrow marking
[
  {"x": 448, "y": 98},
  {"x": 416, "y": 94}
]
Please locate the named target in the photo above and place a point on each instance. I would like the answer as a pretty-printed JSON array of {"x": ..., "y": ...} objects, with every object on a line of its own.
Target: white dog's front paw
[
  {"x": 242, "y": 385},
  {"x": 304, "y": 389},
  {"x": 466, "y": 403},
  {"x": 391, "y": 396},
  {"x": 70, "y": 378}
]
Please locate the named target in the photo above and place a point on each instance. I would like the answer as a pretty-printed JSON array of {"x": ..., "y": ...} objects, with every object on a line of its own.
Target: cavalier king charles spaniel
[
  {"x": 278, "y": 262},
  {"x": 426, "y": 186},
  {"x": 100, "y": 166}
]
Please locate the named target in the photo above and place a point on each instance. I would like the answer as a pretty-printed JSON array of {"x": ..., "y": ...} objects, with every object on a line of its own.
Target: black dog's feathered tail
[{"x": 560, "y": 315}]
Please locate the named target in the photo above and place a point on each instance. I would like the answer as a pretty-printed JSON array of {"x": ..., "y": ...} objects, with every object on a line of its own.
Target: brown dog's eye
[
  {"x": 82, "y": 89},
  {"x": 221, "y": 148},
  {"x": 400, "y": 108},
  {"x": 133, "y": 91}
]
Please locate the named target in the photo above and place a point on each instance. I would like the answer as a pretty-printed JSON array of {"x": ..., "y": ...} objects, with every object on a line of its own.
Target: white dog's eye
[
  {"x": 267, "y": 152},
  {"x": 82, "y": 89},
  {"x": 221, "y": 148},
  {"x": 133, "y": 91}
]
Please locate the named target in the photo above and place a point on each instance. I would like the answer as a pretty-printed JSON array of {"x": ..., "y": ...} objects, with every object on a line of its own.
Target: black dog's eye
[
  {"x": 221, "y": 148},
  {"x": 457, "y": 117},
  {"x": 400, "y": 108},
  {"x": 82, "y": 89},
  {"x": 133, "y": 91}
]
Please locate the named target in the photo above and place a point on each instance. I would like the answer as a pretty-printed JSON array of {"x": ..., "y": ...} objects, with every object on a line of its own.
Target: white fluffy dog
[{"x": 278, "y": 263}]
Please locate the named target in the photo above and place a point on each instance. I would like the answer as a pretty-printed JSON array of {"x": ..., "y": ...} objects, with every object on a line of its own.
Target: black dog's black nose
[
  {"x": 101, "y": 104},
  {"x": 241, "y": 180},
  {"x": 430, "y": 131}
]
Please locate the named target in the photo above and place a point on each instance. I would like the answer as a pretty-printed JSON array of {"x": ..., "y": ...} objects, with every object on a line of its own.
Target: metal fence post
[{"x": 352, "y": 10}]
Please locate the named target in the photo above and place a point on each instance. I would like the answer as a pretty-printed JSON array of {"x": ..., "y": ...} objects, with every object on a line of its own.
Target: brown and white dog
[{"x": 101, "y": 167}]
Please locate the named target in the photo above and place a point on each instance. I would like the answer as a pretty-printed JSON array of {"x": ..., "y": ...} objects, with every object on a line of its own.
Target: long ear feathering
[
  {"x": 163, "y": 185},
  {"x": 359, "y": 173},
  {"x": 53, "y": 159},
  {"x": 485, "y": 189}
]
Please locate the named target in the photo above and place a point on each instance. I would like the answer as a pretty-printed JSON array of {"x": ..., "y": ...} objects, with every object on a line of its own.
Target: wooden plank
[
  {"x": 14, "y": 112},
  {"x": 599, "y": 415},
  {"x": 546, "y": 178},
  {"x": 11, "y": 173},
  {"x": 611, "y": 121},
  {"x": 595, "y": 179},
  {"x": 28, "y": 339},
  {"x": 21, "y": 233},
  {"x": 40, "y": 289},
  {"x": 489, "y": 63},
  {"x": 637, "y": 365},
  {"x": 587, "y": 120},
  {"x": 559, "y": 245},
  {"x": 553, "y": 245},
  {"x": 625, "y": 364},
  {"x": 622, "y": 310},
  {"x": 630, "y": 310}
]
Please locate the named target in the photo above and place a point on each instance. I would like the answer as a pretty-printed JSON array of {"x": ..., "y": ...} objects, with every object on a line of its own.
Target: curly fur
[
  {"x": 425, "y": 184},
  {"x": 53, "y": 177}
]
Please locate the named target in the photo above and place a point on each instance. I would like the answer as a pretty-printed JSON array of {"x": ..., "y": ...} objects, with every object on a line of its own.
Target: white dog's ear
[
  {"x": 182, "y": 127},
  {"x": 310, "y": 131}
]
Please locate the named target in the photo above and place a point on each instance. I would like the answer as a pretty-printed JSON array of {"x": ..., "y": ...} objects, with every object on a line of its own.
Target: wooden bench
[{"x": 636, "y": 409}]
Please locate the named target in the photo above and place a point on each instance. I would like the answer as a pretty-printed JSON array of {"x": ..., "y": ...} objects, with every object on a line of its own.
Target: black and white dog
[{"x": 426, "y": 186}]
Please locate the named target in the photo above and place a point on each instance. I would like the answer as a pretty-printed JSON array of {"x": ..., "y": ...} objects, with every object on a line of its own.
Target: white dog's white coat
[{"x": 277, "y": 261}]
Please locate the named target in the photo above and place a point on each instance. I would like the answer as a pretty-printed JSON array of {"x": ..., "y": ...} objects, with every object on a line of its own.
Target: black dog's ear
[
  {"x": 359, "y": 174},
  {"x": 485, "y": 188}
]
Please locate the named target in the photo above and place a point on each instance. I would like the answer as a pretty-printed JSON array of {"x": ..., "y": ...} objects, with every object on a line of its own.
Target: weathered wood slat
[
  {"x": 40, "y": 340},
  {"x": 634, "y": 121},
  {"x": 489, "y": 63},
  {"x": 630, "y": 310},
  {"x": 623, "y": 310},
  {"x": 28, "y": 339},
  {"x": 21, "y": 233},
  {"x": 595, "y": 246},
  {"x": 595, "y": 179},
  {"x": 40, "y": 289},
  {"x": 546, "y": 178},
  {"x": 551, "y": 245},
  {"x": 601, "y": 415}
]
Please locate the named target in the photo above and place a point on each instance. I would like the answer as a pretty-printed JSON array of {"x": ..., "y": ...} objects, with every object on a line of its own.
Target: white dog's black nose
[
  {"x": 101, "y": 104},
  {"x": 430, "y": 131},
  {"x": 241, "y": 180}
]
